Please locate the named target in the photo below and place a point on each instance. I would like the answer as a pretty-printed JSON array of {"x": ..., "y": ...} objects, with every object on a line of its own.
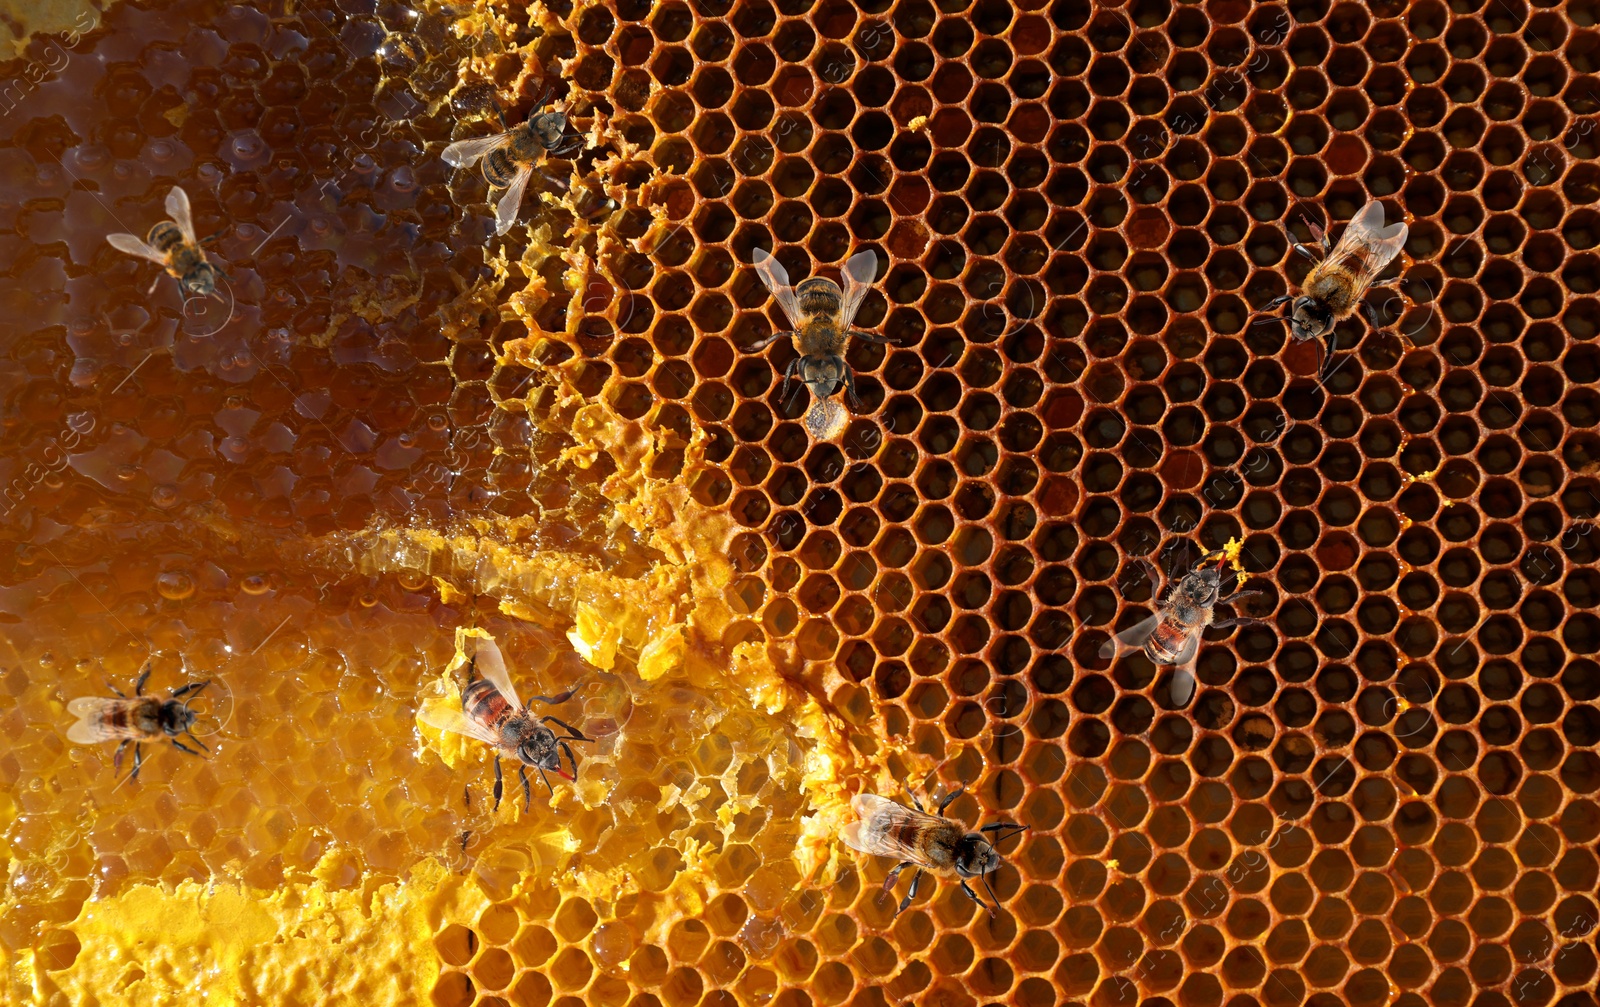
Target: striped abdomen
[
  {"x": 501, "y": 165},
  {"x": 1170, "y": 643},
  {"x": 139, "y": 719},
  {"x": 484, "y": 705}
]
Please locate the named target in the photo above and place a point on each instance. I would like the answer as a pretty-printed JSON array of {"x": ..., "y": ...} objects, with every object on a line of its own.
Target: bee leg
[
  {"x": 527, "y": 789},
  {"x": 138, "y": 686},
  {"x": 499, "y": 784},
  {"x": 894, "y": 875},
  {"x": 180, "y": 746},
  {"x": 570, "y": 757},
  {"x": 559, "y": 698},
  {"x": 974, "y": 897},
  {"x": 1235, "y": 596},
  {"x": 916, "y": 882},
  {"x": 573, "y": 732},
  {"x": 869, "y": 337},
  {"x": 950, "y": 797},
  {"x": 194, "y": 687},
  {"x": 197, "y": 741},
  {"x": 1242, "y": 620},
  {"x": 788, "y": 375},
  {"x": 914, "y": 798},
  {"x": 546, "y": 780},
  {"x": 849, "y": 383},
  {"x": 138, "y": 760},
  {"x": 761, "y": 344},
  {"x": 116, "y": 760}
]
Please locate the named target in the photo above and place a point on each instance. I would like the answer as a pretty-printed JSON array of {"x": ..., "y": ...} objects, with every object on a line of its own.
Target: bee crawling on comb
[
  {"x": 821, "y": 314},
  {"x": 173, "y": 246},
  {"x": 931, "y": 843},
  {"x": 136, "y": 720},
  {"x": 1337, "y": 283},
  {"x": 1185, "y": 608},
  {"x": 510, "y": 157},
  {"x": 491, "y": 712}
]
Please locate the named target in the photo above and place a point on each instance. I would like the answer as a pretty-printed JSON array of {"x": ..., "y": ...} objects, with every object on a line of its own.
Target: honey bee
[
  {"x": 930, "y": 843},
  {"x": 491, "y": 712},
  {"x": 1336, "y": 285},
  {"x": 821, "y": 314},
  {"x": 173, "y": 245},
  {"x": 1183, "y": 611},
  {"x": 509, "y": 158},
  {"x": 135, "y": 721}
]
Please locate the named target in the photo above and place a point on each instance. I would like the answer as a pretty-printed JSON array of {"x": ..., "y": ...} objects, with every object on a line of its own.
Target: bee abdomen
[
  {"x": 482, "y": 702},
  {"x": 1167, "y": 642},
  {"x": 500, "y": 166},
  {"x": 165, "y": 236}
]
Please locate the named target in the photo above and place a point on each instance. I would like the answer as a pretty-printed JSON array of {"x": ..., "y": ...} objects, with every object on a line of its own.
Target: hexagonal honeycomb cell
[{"x": 391, "y": 424}]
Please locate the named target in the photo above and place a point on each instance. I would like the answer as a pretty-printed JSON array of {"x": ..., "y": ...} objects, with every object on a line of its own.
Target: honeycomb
[{"x": 392, "y": 427}]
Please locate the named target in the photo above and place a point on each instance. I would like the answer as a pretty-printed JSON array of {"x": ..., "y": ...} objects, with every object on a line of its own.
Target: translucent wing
[
  {"x": 776, "y": 278},
  {"x": 178, "y": 209},
  {"x": 859, "y": 272},
  {"x": 492, "y": 666},
  {"x": 880, "y": 819},
  {"x": 511, "y": 202},
  {"x": 1130, "y": 639},
  {"x": 1367, "y": 246},
  {"x": 464, "y": 152},
  {"x": 1182, "y": 686},
  {"x": 89, "y": 730},
  {"x": 452, "y": 719},
  {"x": 134, "y": 246}
]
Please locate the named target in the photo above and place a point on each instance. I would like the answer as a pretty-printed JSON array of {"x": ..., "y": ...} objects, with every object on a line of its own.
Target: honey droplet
[{"x": 175, "y": 585}]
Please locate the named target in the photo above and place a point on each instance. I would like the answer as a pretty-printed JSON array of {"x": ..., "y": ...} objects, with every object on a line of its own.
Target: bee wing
[
  {"x": 1182, "y": 685},
  {"x": 88, "y": 731},
  {"x": 135, "y": 246},
  {"x": 776, "y": 278},
  {"x": 492, "y": 666},
  {"x": 178, "y": 208},
  {"x": 1130, "y": 639},
  {"x": 859, "y": 272},
  {"x": 454, "y": 720},
  {"x": 1367, "y": 246},
  {"x": 875, "y": 832},
  {"x": 464, "y": 152},
  {"x": 511, "y": 202}
]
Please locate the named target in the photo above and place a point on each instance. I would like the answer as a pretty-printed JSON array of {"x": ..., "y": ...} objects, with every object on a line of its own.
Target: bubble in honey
[
  {"x": 257, "y": 583},
  {"x": 164, "y": 495},
  {"x": 411, "y": 580},
  {"x": 175, "y": 585},
  {"x": 127, "y": 473}
]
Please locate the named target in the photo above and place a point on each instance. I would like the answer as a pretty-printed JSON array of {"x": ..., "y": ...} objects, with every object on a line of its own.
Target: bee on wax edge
[
  {"x": 491, "y": 712},
  {"x": 510, "y": 157},
  {"x": 930, "y": 843}
]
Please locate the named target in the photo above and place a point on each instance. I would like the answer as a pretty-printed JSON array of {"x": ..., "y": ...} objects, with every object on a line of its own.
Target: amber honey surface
[{"x": 391, "y": 430}]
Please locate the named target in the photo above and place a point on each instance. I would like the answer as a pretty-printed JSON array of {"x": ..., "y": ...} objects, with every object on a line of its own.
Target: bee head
[
  {"x": 975, "y": 857},
  {"x": 202, "y": 281},
  {"x": 536, "y": 755},
  {"x": 1309, "y": 319},
  {"x": 1205, "y": 584},
  {"x": 549, "y": 126}
]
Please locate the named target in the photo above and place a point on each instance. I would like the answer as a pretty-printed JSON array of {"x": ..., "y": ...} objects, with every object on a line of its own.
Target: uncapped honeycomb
[{"x": 392, "y": 426}]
